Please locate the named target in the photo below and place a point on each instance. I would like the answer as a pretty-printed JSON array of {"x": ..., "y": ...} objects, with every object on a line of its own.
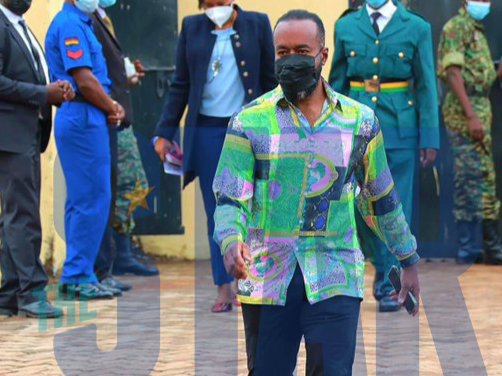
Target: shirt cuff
[
  {"x": 229, "y": 240},
  {"x": 410, "y": 260}
]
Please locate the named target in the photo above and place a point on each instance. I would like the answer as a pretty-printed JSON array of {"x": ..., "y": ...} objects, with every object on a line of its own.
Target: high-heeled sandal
[{"x": 221, "y": 307}]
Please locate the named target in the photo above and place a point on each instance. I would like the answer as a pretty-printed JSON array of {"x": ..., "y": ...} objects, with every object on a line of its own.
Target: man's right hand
[
  {"x": 236, "y": 259},
  {"x": 55, "y": 93},
  {"x": 475, "y": 128},
  {"x": 161, "y": 146}
]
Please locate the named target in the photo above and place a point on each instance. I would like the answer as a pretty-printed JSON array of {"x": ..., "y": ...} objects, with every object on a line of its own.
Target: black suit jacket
[
  {"x": 116, "y": 67},
  {"x": 24, "y": 111}
]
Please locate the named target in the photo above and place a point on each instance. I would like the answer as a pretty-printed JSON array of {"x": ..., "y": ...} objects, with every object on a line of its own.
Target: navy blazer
[{"x": 254, "y": 52}]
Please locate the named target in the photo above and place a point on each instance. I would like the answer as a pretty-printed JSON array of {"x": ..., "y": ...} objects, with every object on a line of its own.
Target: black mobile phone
[{"x": 410, "y": 303}]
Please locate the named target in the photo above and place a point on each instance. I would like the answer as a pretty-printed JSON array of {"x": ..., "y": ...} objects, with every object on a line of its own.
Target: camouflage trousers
[
  {"x": 475, "y": 195},
  {"x": 129, "y": 170}
]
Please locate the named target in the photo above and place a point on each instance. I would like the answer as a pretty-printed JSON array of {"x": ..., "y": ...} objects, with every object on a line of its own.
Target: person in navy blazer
[{"x": 224, "y": 59}]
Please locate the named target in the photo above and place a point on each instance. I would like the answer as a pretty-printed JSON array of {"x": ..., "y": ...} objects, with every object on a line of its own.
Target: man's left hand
[
  {"x": 409, "y": 282},
  {"x": 428, "y": 156},
  {"x": 69, "y": 93}
]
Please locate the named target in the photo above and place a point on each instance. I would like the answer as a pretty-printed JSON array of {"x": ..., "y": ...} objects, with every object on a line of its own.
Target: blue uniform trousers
[
  {"x": 208, "y": 142},
  {"x": 83, "y": 146},
  {"x": 402, "y": 167}
]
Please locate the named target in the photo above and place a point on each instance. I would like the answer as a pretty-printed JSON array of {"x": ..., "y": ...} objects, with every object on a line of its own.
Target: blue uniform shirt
[{"x": 71, "y": 43}]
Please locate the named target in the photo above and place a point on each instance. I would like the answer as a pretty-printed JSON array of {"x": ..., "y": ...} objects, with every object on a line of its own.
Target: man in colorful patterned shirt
[{"x": 293, "y": 163}]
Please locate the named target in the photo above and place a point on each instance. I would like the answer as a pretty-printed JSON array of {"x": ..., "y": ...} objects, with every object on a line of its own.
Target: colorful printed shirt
[{"x": 288, "y": 191}]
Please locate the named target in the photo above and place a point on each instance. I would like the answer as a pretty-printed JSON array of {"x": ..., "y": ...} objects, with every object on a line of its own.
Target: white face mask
[{"x": 220, "y": 15}]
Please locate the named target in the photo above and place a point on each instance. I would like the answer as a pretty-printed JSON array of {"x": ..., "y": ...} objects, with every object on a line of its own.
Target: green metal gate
[{"x": 147, "y": 30}]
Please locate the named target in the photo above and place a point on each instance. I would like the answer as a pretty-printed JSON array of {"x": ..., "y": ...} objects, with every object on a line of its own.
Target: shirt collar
[
  {"x": 12, "y": 17},
  {"x": 386, "y": 11},
  {"x": 101, "y": 12},
  {"x": 333, "y": 100},
  {"x": 73, "y": 9}
]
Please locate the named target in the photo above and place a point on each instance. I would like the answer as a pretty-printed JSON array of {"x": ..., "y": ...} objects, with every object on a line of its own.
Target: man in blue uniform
[
  {"x": 74, "y": 54},
  {"x": 384, "y": 59}
]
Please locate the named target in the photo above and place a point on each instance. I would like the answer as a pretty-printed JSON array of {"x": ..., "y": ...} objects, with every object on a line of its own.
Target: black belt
[
  {"x": 79, "y": 98},
  {"x": 473, "y": 92}
]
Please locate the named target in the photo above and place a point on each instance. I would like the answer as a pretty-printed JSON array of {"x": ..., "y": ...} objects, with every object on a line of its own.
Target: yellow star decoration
[{"x": 138, "y": 197}]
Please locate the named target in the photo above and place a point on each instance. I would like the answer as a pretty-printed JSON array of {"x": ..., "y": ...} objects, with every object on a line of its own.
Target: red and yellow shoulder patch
[
  {"x": 75, "y": 55},
  {"x": 71, "y": 42}
]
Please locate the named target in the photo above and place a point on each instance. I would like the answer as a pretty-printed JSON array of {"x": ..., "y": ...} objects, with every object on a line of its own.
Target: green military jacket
[
  {"x": 403, "y": 51},
  {"x": 463, "y": 43}
]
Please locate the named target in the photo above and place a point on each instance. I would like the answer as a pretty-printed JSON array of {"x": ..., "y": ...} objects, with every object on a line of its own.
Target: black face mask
[
  {"x": 298, "y": 75},
  {"x": 19, "y": 7}
]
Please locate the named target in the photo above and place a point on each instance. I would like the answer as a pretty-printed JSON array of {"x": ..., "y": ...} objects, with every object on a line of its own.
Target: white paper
[{"x": 173, "y": 169}]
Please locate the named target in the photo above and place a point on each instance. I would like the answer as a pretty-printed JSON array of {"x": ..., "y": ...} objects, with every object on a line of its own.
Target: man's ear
[{"x": 325, "y": 54}]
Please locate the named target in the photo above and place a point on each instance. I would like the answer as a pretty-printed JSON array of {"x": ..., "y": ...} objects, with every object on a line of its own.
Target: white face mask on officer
[{"x": 220, "y": 15}]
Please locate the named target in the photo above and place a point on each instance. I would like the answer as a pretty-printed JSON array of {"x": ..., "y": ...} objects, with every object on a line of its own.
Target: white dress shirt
[
  {"x": 14, "y": 19},
  {"x": 386, "y": 13}
]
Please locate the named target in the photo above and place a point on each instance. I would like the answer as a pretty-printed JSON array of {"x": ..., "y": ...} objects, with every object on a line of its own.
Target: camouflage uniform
[
  {"x": 463, "y": 43},
  {"x": 129, "y": 170}
]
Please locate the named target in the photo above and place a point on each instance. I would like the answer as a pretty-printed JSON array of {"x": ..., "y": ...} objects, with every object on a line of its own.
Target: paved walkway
[{"x": 214, "y": 345}]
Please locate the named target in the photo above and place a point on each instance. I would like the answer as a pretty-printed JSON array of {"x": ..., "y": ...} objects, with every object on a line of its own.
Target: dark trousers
[
  {"x": 105, "y": 255},
  {"x": 21, "y": 233},
  {"x": 274, "y": 333},
  {"x": 208, "y": 143}
]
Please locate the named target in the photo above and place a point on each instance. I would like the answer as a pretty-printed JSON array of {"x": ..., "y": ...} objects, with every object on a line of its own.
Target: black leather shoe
[
  {"x": 86, "y": 291},
  {"x": 41, "y": 308},
  {"x": 377, "y": 286},
  {"x": 388, "y": 305},
  {"x": 126, "y": 261},
  {"x": 113, "y": 290},
  {"x": 492, "y": 243},
  {"x": 8, "y": 312},
  {"x": 116, "y": 284},
  {"x": 133, "y": 266}
]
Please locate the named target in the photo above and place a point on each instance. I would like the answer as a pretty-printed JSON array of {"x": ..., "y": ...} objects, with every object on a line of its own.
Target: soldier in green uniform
[
  {"x": 465, "y": 63},
  {"x": 384, "y": 59},
  {"x": 129, "y": 170}
]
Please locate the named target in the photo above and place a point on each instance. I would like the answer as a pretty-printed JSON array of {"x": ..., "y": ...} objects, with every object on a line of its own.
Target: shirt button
[
  {"x": 243, "y": 63},
  {"x": 245, "y": 74},
  {"x": 375, "y": 77},
  {"x": 352, "y": 53},
  {"x": 377, "y": 42},
  {"x": 401, "y": 55},
  {"x": 374, "y": 99},
  {"x": 236, "y": 36},
  {"x": 410, "y": 103},
  {"x": 238, "y": 44},
  {"x": 375, "y": 60},
  {"x": 250, "y": 91}
]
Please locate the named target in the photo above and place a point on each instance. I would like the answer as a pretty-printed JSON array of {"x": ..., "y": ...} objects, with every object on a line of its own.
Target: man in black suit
[
  {"x": 26, "y": 97},
  {"x": 121, "y": 92}
]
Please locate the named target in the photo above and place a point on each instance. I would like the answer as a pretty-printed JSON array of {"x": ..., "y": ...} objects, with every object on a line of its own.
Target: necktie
[
  {"x": 36, "y": 56},
  {"x": 375, "y": 16}
]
